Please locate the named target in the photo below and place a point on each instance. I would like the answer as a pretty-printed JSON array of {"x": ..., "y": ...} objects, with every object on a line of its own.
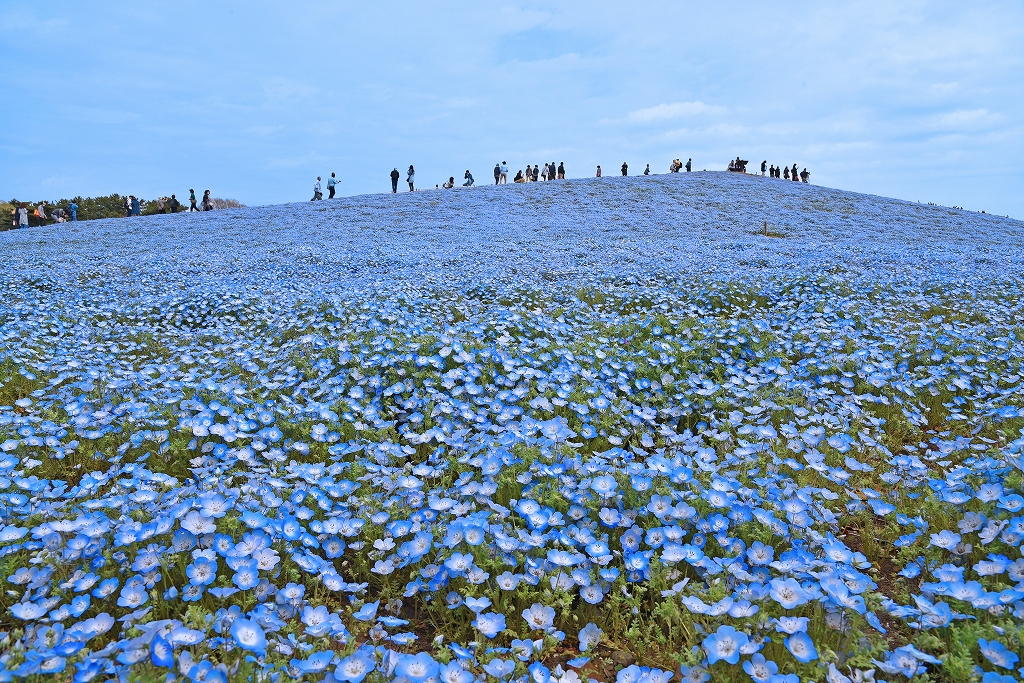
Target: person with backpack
[
  {"x": 192, "y": 199},
  {"x": 174, "y": 204},
  {"x": 794, "y": 174},
  {"x": 469, "y": 179},
  {"x": 411, "y": 178},
  {"x": 395, "y": 175},
  {"x": 625, "y": 169},
  {"x": 497, "y": 173},
  {"x": 536, "y": 172},
  {"x": 331, "y": 182}
]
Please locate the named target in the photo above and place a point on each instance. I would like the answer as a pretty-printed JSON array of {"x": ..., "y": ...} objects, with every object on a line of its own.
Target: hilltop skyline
[{"x": 253, "y": 101}]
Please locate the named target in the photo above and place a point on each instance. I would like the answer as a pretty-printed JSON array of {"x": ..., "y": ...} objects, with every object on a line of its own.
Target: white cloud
[
  {"x": 962, "y": 119},
  {"x": 664, "y": 112}
]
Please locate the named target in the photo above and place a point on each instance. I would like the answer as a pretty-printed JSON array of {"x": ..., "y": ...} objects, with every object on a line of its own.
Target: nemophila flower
[
  {"x": 724, "y": 644},
  {"x": 367, "y": 612},
  {"x": 539, "y": 617},
  {"x": 760, "y": 669},
  {"x": 993, "y": 677},
  {"x": 500, "y": 669},
  {"x": 161, "y": 653},
  {"x": 995, "y": 652},
  {"x": 539, "y": 673},
  {"x": 801, "y": 646},
  {"x": 945, "y": 539},
  {"x": 788, "y": 593},
  {"x": 248, "y": 635},
  {"x": 490, "y": 623},
  {"x": 417, "y": 668},
  {"x": 356, "y": 666},
  {"x": 202, "y": 572},
  {"x": 589, "y": 636},
  {"x": 791, "y": 624}
]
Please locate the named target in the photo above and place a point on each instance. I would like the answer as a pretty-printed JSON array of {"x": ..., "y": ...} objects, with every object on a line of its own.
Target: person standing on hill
[
  {"x": 331, "y": 183},
  {"x": 192, "y": 199},
  {"x": 136, "y": 206},
  {"x": 647, "y": 171},
  {"x": 208, "y": 200},
  {"x": 395, "y": 175},
  {"x": 73, "y": 208},
  {"x": 497, "y": 173},
  {"x": 174, "y": 204},
  {"x": 536, "y": 172},
  {"x": 503, "y": 178},
  {"x": 21, "y": 216},
  {"x": 785, "y": 173},
  {"x": 764, "y": 167},
  {"x": 794, "y": 174},
  {"x": 804, "y": 175},
  {"x": 625, "y": 169},
  {"x": 317, "y": 193},
  {"x": 561, "y": 170},
  {"x": 689, "y": 165},
  {"x": 410, "y": 177},
  {"x": 598, "y": 171}
]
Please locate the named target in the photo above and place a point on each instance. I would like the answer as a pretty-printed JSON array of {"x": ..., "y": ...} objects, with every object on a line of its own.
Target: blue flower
[
  {"x": 490, "y": 623},
  {"x": 248, "y": 635},
  {"x": 539, "y": 617},
  {"x": 724, "y": 644},
  {"x": 202, "y": 571},
  {"x": 367, "y": 612},
  {"x": 995, "y": 652},
  {"x": 356, "y": 666},
  {"x": 161, "y": 653},
  {"x": 801, "y": 646},
  {"x": 417, "y": 668},
  {"x": 788, "y": 593},
  {"x": 760, "y": 669}
]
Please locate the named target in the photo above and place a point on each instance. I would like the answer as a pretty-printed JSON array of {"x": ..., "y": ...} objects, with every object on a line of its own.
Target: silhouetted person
[
  {"x": 794, "y": 174},
  {"x": 410, "y": 177},
  {"x": 625, "y": 168},
  {"x": 764, "y": 167},
  {"x": 497, "y": 173},
  {"x": 688, "y": 165},
  {"x": 395, "y": 175},
  {"x": 785, "y": 173},
  {"x": 561, "y": 170},
  {"x": 174, "y": 204}
]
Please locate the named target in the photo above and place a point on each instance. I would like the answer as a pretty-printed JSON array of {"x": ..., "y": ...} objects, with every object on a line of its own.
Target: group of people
[
  {"x": 785, "y": 173},
  {"x": 132, "y": 205},
  {"x": 332, "y": 186},
  {"x": 20, "y": 217},
  {"x": 537, "y": 174},
  {"x": 546, "y": 172}
]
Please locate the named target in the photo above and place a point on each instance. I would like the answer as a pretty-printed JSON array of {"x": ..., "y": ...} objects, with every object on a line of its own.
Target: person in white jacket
[
  {"x": 504, "y": 173},
  {"x": 411, "y": 178},
  {"x": 22, "y": 216}
]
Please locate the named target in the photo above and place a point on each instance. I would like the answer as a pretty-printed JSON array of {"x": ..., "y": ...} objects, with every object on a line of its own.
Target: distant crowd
[
  {"x": 549, "y": 171},
  {"x": 24, "y": 214}
]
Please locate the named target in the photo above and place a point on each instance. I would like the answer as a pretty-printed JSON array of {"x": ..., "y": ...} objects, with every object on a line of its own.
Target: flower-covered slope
[{"x": 589, "y": 429}]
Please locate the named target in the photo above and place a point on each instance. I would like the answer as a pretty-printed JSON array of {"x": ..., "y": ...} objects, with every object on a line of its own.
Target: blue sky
[{"x": 253, "y": 100}]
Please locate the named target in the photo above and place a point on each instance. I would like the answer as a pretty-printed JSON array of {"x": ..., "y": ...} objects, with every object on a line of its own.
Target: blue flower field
[{"x": 681, "y": 428}]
